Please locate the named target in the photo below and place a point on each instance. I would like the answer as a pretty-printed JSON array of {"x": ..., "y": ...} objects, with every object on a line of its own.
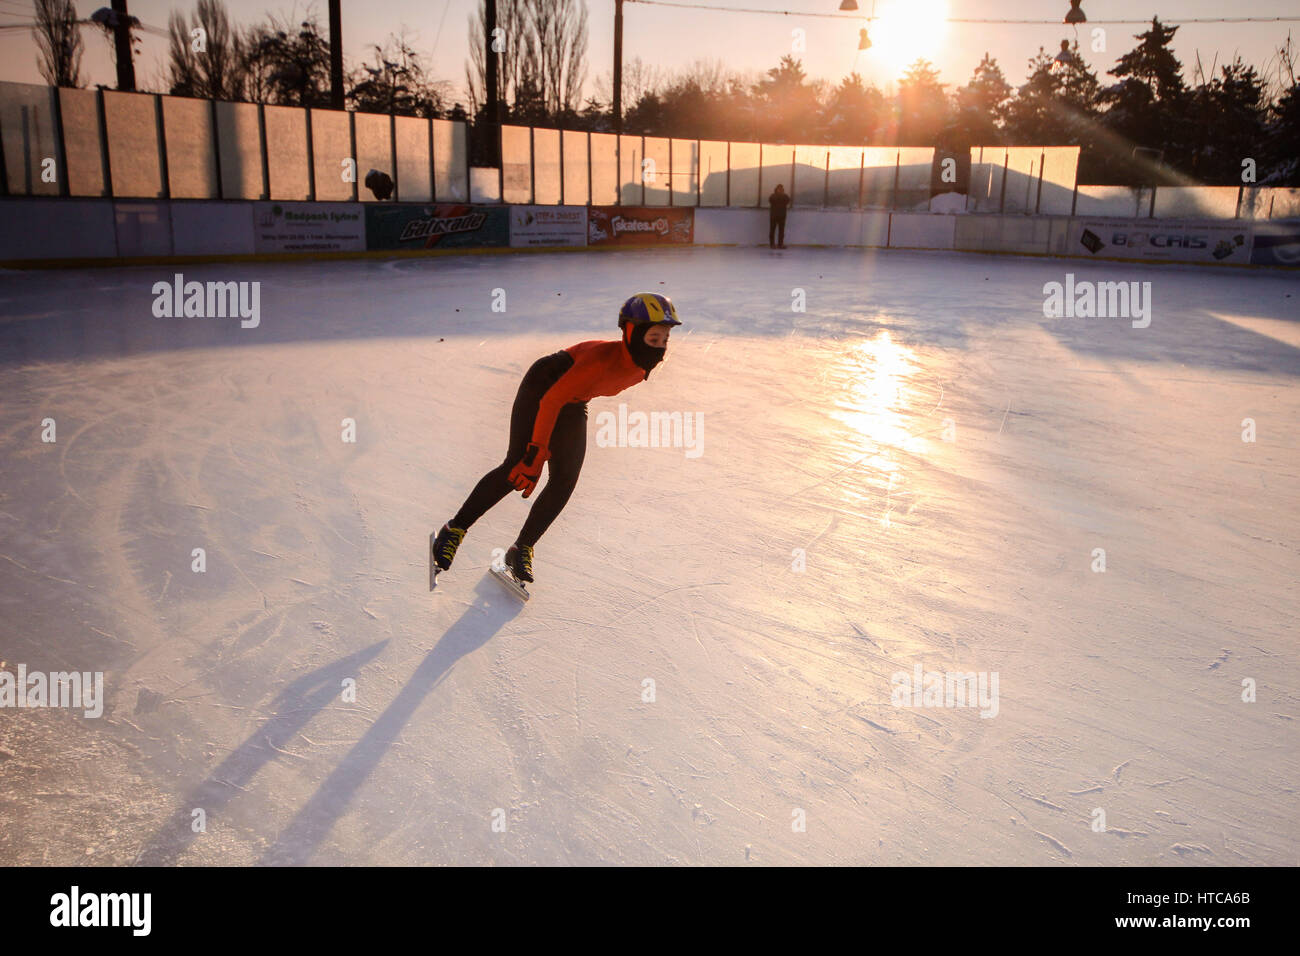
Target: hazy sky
[{"x": 672, "y": 38}]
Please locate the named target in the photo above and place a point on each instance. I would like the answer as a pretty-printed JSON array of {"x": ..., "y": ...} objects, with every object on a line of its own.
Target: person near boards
[{"x": 777, "y": 204}]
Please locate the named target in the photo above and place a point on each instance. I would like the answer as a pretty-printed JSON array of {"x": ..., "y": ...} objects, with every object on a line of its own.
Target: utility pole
[
  {"x": 493, "y": 97},
  {"x": 618, "y": 66},
  {"x": 121, "y": 24},
  {"x": 491, "y": 136},
  {"x": 336, "y": 55}
]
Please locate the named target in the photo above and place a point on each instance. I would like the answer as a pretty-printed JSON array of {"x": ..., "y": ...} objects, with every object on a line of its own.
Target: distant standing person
[{"x": 777, "y": 204}]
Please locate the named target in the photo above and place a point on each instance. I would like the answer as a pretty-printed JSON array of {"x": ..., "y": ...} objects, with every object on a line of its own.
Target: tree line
[{"x": 1144, "y": 124}]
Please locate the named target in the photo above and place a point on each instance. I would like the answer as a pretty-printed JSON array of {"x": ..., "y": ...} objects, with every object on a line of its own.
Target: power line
[{"x": 858, "y": 18}]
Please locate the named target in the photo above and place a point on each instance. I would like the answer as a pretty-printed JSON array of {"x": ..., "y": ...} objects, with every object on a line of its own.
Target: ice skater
[{"x": 549, "y": 423}]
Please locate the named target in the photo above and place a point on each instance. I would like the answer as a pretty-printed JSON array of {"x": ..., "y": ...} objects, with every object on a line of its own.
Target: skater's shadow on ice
[
  {"x": 293, "y": 708},
  {"x": 492, "y": 610}
]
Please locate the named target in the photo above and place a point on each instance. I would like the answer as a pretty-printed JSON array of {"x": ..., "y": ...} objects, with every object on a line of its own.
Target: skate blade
[
  {"x": 511, "y": 583},
  {"x": 433, "y": 565}
]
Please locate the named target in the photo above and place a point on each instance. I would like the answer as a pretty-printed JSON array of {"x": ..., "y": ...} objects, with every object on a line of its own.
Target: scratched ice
[{"x": 916, "y": 475}]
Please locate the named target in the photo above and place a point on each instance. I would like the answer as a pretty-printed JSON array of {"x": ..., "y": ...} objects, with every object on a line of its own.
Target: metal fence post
[
  {"x": 862, "y": 170},
  {"x": 728, "y": 172},
  {"x": 1002, "y": 193},
  {"x": 501, "y": 162},
  {"x": 105, "y": 160},
  {"x": 64, "y": 185},
  {"x": 1042, "y": 166},
  {"x": 356, "y": 167},
  {"x": 392, "y": 154},
  {"x": 311, "y": 156},
  {"x": 898, "y": 168},
  {"x": 216, "y": 149},
  {"x": 699, "y": 172},
  {"x": 261, "y": 139},
  {"x": 433, "y": 166},
  {"x": 164, "y": 175}
]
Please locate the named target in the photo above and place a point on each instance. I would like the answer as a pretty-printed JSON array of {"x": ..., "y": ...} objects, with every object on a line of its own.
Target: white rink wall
[{"x": 73, "y": 231}]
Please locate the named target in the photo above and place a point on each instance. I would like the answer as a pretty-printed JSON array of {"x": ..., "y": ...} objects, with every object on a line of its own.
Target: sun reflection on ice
[
  {"x": 877, "y": 402},
  {"x": 877, "y": 398}
]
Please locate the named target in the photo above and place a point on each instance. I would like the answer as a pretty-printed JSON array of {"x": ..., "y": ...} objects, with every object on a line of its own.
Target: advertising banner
[
  {"x": 639, "y": 225},
  {"x": 1276, "y": 244},
  {"x": 548, "y": 226},
  {"x": 1165, "y": 239},
  {"x": 436, "y": 226},
  {"x": 308, "y": 227}
]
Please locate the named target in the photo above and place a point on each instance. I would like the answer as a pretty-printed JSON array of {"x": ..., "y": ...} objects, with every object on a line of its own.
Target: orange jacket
[{"x": 599, "y": 368}]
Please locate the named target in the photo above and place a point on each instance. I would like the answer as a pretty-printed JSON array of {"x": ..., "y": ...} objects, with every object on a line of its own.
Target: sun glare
[{"x": 906, "y": 30}]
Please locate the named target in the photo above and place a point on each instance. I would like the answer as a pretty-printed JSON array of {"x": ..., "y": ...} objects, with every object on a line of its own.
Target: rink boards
[{"x": 38, "y": 231}]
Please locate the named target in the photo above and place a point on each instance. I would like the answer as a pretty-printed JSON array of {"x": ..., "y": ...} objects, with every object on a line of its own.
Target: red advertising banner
[{"x": 639, "y": 225}]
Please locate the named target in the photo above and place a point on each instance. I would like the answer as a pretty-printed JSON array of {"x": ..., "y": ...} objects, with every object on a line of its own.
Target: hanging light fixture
[
  {"x": 849, "y": 5},
  {"x": 1076, "y": 14}
]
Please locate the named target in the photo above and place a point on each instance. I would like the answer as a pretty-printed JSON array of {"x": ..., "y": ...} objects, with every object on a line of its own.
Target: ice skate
[
  {"x": 442, "y": 551},
  {"x": 516, "y": 571}
]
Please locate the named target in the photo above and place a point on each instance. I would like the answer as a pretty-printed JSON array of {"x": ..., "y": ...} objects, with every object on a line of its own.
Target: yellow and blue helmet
[{"x": 648, "y": 308}]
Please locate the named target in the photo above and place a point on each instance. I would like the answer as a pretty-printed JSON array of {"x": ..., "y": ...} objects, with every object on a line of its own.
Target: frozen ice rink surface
[{"x": 920, "y": 470}]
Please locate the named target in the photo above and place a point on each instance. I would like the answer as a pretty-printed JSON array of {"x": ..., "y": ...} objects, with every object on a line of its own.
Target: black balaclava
[{"x": 646, "y": 356}]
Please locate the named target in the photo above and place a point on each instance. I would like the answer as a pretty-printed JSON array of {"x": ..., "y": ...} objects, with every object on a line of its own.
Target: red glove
[{"x": 525, "y": 474}]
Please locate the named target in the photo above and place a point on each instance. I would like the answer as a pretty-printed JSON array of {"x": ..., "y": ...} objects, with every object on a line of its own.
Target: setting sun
[{"x": 907, "y": 29}]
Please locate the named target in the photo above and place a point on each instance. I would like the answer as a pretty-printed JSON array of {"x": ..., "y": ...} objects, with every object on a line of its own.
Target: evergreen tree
[
  {"x": 855, "y": 113},
  {"x": 980, "y": 106},
  {"x": 1147, "y": 106},
  {"x": 1230, "y": 113},
  {"x": 1282, "y": 141},
  {"x": 788, "y": 107},
  {"x": 1057, "y": 106},
  {"x": 923, "y": 112}
]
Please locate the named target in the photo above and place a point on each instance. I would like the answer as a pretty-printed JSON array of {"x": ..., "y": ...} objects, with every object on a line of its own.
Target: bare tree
[
  {"x": 59, "y": 40},
  {"x": 287, "y": 65},
  {"x": 256, "y": 66},
  {"x": 205, "y": 56},
  {"x": 561, "y": 30},
  {"x": 519, "y": 59},
  {"x": 398, "y": 82},
  {"x": 639, "y": 79}
]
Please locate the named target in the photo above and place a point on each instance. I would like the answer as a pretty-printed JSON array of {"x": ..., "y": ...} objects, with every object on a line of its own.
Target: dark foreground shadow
[
  {"x": 492, "y": 609},
  {"x": 294, "y": 708}
]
